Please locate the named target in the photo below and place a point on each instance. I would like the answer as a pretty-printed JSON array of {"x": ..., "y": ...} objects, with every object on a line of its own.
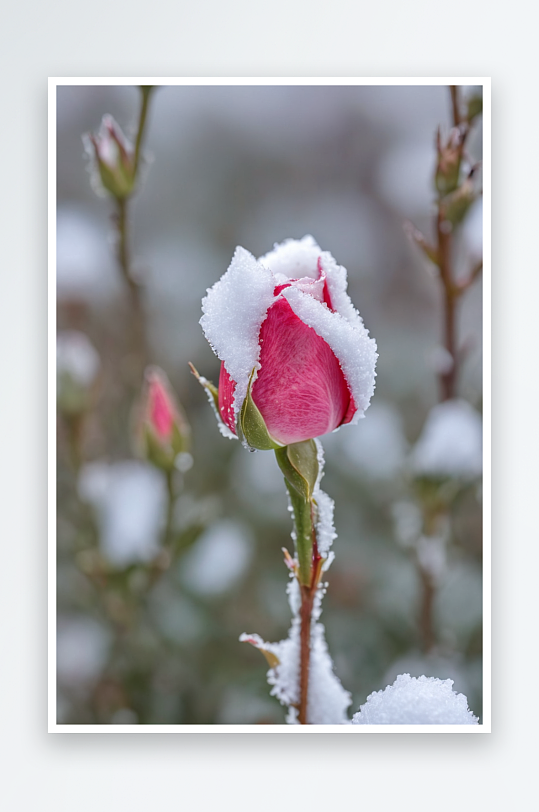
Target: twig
[
  {"x": 455, "y": 104},
  {"x": 123, "y": 250}
]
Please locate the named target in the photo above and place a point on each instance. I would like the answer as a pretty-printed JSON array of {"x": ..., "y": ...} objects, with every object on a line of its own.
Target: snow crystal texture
[
  {"x": 416, "y": 701},
  {"x": 328, "y": 700},
  {"x": 234, "y": 310}
]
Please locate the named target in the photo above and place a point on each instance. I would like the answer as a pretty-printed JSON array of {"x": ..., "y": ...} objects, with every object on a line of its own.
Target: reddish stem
[
  {"x": 448, "y": 378},
  {"x": 307, "y": 601}
]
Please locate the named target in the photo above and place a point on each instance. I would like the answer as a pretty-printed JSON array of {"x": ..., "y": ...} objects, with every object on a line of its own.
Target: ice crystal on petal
[
  {"x": 416, "y": 701},
  {"x": 293, "y": 259},
  {"x": 350, "y": 342},
  {"x": 234, "y": 310}
]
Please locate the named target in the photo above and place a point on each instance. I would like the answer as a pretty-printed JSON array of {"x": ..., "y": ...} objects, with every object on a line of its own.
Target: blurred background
[{"x": 149, "y": 638}]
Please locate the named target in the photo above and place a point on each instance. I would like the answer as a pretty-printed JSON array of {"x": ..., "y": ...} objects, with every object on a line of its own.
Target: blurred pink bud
[
  {"x": 160, "y": 407},
  {"x": 290, "y": 342},
  {"x": 162, "y": 433},
  {"x": 113, "y": 159}
]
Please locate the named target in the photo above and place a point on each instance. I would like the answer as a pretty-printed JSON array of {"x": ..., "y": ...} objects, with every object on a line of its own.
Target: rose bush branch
[
  {"x": 296, "y": 363},
  {"x": 116, "y": 172},
  {"x": 456, "y": 191}
]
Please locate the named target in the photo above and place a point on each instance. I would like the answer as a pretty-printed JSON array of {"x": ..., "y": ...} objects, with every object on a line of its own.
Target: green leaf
[{"x": 251, "y": 424}]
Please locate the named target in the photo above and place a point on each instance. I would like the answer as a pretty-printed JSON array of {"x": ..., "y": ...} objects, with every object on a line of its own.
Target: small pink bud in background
[
  {"x": 161, "y": 410},
  {"x": 113, "y": 159},
  {"x": 162, "y": 433}
]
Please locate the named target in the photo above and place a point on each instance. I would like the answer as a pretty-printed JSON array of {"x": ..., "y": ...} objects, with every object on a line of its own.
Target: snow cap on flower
[
  {"x": 416, "y": 701},
  {"x": 162, "y": 432},
  {"x": 113, "y": 159},
  {"x": 451, "y": 443},
  {"x": 297, "y": 361}
]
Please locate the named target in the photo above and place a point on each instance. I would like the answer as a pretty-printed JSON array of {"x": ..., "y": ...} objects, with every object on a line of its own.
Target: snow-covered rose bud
[
  {"x": 161, "y": 433},
  {"x": 113, "y": 159},
  {"x": 297, "y": 361}
]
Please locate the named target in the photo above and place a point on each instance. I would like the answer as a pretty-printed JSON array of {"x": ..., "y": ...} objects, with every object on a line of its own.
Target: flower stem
[
  {"x": 306, "y": 610},
  {"x": 448, "y": 377},
  {"x": 123, "y": 251},
  {"x": 171, "y": 498},
  {"x": 146, "y": 91},
  {"x": 308, "y": 575}
]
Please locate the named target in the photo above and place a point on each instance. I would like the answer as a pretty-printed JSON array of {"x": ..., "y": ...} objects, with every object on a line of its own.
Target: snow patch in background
[
  {"x": 451, "y": 443},
  {"x": 376, "y": 448},
  {"x": 82, "y": 649},
  {"x": 219, "y": 559},
  {"x": 77, "y": 357},
  {"x": 130, "y": 499},
  {"x": 85, "y": 267}
]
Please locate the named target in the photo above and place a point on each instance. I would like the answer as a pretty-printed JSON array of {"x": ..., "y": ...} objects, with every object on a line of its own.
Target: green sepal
[
  {"x": 180, "y": 439},
  {"x": 119, "y": 181},
  {"x": 251, "y": 426},
  {"x": 159, "y": 454},
  {"x": 299, "y": 464}
]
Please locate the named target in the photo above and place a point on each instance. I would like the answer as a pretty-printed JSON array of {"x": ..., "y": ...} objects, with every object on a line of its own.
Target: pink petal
[
  {"x": 300, "y": 390},
  {"x": 161, "y": 411},
  {"x": 227, "y": 387}
]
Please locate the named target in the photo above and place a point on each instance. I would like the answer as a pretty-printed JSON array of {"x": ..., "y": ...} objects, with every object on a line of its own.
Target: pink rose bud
[
  {"x": 113, "y": 159},
  {"x": 297, "y": 361},
  {"x": 162, "y": 432}
]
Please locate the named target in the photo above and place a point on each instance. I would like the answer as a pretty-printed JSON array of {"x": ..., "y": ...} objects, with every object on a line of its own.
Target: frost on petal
[
  {"x": 337, "y": 282},
  {"x": 451, "y": 443},
  {"x": 234, "y": 309},
  {"x": 416, "y": 701},
  {"x": 293, "y": 259},
  {"x": 350, "y": 342},
  {"x": 328, "y": 700}
]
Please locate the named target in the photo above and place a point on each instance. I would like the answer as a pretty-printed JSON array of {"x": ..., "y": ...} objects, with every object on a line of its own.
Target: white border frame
[{"x": 485, "y": 727}]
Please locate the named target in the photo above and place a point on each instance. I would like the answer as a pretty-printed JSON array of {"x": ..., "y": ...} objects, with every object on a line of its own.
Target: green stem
[
  {"x": 171, "y": 499},
  {"x": 123, "y": 251},
  {"x": 309, "y": 565},
  {"x": 146, "y": 91},
  {"x": 304, "y": 534}
]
